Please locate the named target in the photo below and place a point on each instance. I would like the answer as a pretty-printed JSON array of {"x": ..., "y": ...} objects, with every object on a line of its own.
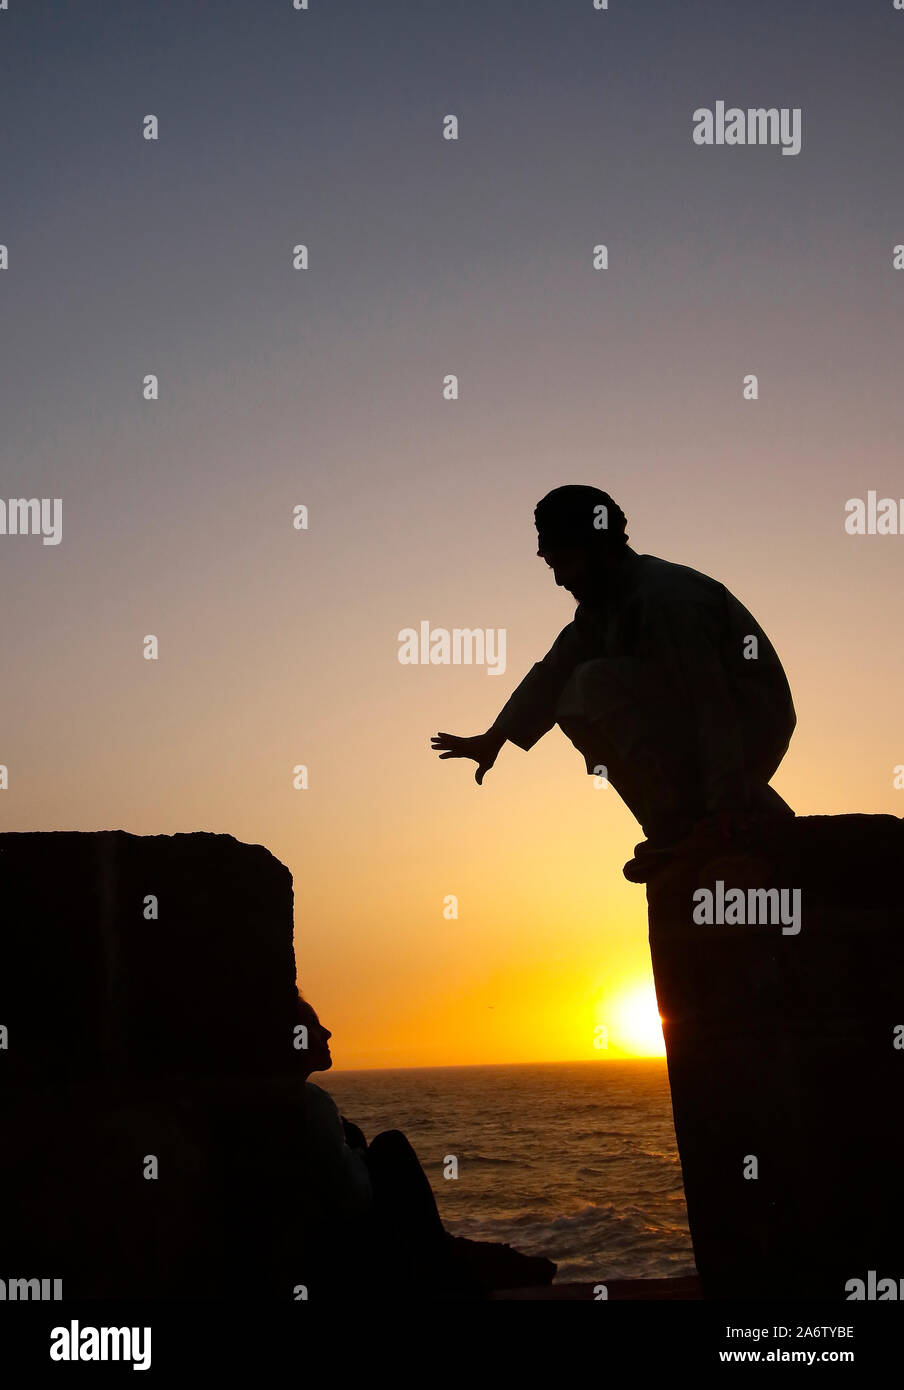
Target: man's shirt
[
  {"x": 678, "y": 638},
  {"x": 338, "y": 1175}
]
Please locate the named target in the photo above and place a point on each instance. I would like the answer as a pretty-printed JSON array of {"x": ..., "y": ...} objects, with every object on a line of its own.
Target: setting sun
[{"x": 635, "y": 1026}]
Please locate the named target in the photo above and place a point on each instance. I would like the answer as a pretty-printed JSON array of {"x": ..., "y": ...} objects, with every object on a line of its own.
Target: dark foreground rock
[
  {"x": 785, "y": 1056},
  {"x": 133, "y": 1040},
  {"x": 494, "y": 1265},
  {"x": 93, "y": 985},
  {"x": 678, "y": 1289}
]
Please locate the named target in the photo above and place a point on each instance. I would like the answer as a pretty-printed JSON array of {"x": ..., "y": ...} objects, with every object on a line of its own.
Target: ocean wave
[
  {"x": 592, "y": 1241},
  {"x": 489, "y": 1161},
  {"x": 594, "y": 1136},
  {"x": 584, "y": 1215}
]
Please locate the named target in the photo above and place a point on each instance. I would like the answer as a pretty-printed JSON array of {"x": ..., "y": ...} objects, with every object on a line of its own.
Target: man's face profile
[{"x": 572, "y": 569}]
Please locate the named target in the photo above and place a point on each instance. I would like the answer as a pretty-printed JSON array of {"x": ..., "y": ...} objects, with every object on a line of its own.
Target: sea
[{"x": 576, "y": 1161}]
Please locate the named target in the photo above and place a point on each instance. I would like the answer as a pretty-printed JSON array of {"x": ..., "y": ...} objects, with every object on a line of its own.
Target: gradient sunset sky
[{"x": 324, "y": 388}]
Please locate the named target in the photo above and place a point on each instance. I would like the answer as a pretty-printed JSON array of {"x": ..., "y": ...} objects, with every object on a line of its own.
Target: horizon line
[{"x": 471, "y": 1066}]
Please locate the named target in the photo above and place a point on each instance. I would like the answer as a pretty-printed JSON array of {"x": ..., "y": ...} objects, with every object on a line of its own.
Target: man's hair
[
  {"x": 304, "y": 1009},
  {"x": 581, "y": 516}
]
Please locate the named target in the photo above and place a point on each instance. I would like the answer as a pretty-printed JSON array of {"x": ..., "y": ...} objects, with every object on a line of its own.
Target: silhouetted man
[{"x": 664, "y": 681}]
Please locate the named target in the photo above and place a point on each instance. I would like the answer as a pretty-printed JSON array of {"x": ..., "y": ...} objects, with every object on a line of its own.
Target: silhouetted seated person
[
  {"x": 663, "y": 681},
  {"x": 377, "y": 1216},
  {"x": 373, "y": 1201}
]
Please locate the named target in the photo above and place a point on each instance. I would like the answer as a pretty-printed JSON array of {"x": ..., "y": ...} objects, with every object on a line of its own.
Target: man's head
[
  {"x": 581, "y": 536},
  {"x": 316, "y": 1056}
]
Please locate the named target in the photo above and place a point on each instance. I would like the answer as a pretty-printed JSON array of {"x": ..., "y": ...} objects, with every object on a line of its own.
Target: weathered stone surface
[
  {"x": 90, "y": 987},
  {"x": 781, "y": 1047},
  {"x": 131, "y": 1038}
]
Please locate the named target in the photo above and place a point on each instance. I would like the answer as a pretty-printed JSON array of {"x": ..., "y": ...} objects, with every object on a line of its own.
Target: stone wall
[
  {"x": 781, "y": 1048},
  {"x": 131, "y": 1037}
]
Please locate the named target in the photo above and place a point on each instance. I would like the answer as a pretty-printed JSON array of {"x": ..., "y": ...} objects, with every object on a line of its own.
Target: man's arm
[
  {"x": 527, "y": 715},
  {"x": 354, "y": 1136},
  {"x": 530, "y": 711}
]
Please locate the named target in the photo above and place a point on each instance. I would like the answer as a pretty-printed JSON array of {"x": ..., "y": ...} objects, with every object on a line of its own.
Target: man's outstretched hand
[{"x": 483, "y": 748}]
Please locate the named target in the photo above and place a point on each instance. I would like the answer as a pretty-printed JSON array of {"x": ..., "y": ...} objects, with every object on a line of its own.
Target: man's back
[
  {"x": 672, "y": 676},
  {"x": 655, "y": 605}
]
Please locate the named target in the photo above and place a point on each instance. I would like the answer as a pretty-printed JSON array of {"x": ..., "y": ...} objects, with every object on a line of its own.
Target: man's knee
[{"x": 390, "y": 1141}]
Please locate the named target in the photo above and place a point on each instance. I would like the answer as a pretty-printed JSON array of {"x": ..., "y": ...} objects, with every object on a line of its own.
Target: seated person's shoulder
[
  {"x": 320, "y": 1106},
  {"x": 673, "y": 582},
  {"x": 339, "y": 1174}
]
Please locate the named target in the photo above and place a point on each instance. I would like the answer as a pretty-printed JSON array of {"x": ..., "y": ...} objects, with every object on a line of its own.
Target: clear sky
[{"x": 324, "y": 387}]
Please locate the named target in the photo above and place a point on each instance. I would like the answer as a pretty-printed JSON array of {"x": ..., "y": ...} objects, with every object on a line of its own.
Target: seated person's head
[{"x": 316, "y": 1056}]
